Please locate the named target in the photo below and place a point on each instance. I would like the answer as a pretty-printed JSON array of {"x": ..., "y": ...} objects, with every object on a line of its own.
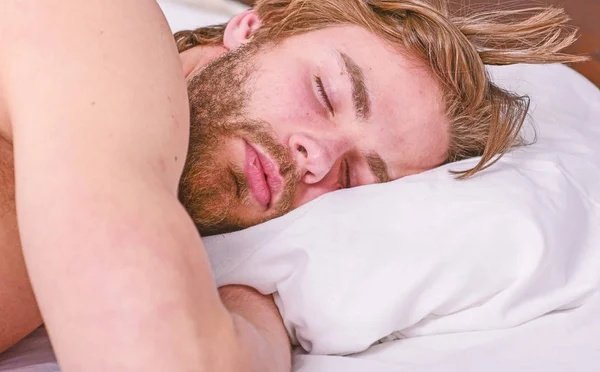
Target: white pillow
[
  {"x": 428, "y": 254},
  {"x": 191, "y": 14}
]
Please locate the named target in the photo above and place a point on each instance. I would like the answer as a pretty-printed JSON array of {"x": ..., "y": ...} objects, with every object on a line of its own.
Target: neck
[{"x": 196, "y": 58}]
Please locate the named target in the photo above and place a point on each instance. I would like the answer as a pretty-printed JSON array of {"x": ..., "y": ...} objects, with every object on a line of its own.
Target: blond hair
[{"x": 485, "y": 120}]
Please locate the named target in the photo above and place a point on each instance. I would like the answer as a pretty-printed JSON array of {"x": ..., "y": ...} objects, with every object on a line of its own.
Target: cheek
[
  {"x": 276, "y": 99},
  {"x": 283, "y": 99}
]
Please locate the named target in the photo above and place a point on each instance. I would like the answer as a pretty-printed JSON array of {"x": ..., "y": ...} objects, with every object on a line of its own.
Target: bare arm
[
  {"x": 258, "y": 319},
  {"x": 98, "y": 106}
]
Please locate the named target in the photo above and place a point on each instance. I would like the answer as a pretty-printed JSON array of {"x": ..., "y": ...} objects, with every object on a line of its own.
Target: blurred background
[{"x": 584, "y": 14}]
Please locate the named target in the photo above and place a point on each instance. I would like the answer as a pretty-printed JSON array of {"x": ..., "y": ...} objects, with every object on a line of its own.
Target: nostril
[{"x": 302, "y": 149}]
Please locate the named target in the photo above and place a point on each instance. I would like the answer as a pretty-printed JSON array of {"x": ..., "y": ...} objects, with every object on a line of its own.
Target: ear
[{"x": 240, "y": 29}]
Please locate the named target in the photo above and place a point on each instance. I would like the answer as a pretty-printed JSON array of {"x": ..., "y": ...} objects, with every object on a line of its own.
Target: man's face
[{"x": 274, "y": 127}]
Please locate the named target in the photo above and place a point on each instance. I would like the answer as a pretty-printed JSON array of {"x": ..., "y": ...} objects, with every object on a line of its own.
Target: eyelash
[
  {"x": 323, "y": 94},
  {"x": 347, "y": 175}
]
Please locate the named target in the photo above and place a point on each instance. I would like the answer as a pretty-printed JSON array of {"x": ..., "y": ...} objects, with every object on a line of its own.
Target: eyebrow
[
  {"x": 360, "y": 94},
  {"x": 378, "y": 167}
]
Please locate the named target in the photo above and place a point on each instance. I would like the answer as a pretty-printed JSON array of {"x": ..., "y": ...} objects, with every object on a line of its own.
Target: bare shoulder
[{"x": 110, "y": 76}]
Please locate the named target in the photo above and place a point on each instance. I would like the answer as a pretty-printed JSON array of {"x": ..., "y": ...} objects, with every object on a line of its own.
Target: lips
[{"x": 263, "y": 176}]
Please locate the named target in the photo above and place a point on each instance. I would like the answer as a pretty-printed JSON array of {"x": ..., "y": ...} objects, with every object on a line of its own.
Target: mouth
[{"x": 263, "y": 176}]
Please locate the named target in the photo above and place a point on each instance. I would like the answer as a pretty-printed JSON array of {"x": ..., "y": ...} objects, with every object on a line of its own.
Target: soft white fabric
[
  {"x": 559, "y": 342},
  {"x": 191, "y": 14},
  {"x": 33, "y": 354},
  {"x": 430, "y": 255}
]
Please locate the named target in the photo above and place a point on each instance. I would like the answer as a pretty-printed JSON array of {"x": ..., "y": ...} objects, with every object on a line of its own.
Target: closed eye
[
  {"x": 347, "y": 179},
  {"x": 344, "y": 179},
  {"x": 323, "y": 94}
]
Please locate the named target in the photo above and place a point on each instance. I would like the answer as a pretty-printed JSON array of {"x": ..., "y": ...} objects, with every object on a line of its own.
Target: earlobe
[{"x": 240, "y": 29}]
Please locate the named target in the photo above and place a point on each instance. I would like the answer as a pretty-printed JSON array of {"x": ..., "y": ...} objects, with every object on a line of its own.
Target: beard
[{"x": 213, "y": 190}]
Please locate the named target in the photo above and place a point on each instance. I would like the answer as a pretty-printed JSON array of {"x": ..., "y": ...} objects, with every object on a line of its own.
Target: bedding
[
  {"x": 33, "y": 354},
  {"x": 497, "y": 273},
  {"x": 191, "y": 14},
  {"x": 562, "y": 341}
]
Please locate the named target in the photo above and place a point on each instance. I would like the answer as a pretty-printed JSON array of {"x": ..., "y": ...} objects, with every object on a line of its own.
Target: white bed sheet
[
  {"x": 191, "y": 14},
  {"x": 559, "y": 342},
  {"x": 554, "y": 343},
  {"x": 33, "y": 354}
]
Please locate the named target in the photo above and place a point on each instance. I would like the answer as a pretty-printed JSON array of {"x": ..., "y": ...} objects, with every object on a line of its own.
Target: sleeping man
[
  {"x": 273, "y": 127},
  {"x": 288, "y": 101}
]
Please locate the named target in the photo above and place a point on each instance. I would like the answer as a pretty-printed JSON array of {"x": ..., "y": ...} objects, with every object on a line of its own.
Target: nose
[{"x": 313, "y": 157}]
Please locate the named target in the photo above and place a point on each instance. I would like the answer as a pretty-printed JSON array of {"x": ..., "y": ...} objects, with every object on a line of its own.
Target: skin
[
  {"x": 98, "y": 161},
  {"x": 363, "y": 116}
]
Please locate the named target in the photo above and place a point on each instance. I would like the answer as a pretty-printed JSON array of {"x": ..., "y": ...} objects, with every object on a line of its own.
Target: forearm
[
  {"x": 159, "y": 308},
  {"x": 130, "y": 293},
  {"x": 264, "y": 343}
]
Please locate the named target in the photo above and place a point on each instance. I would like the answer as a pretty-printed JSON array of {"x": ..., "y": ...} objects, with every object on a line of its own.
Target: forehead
[{"x": 407, "y": 124}]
